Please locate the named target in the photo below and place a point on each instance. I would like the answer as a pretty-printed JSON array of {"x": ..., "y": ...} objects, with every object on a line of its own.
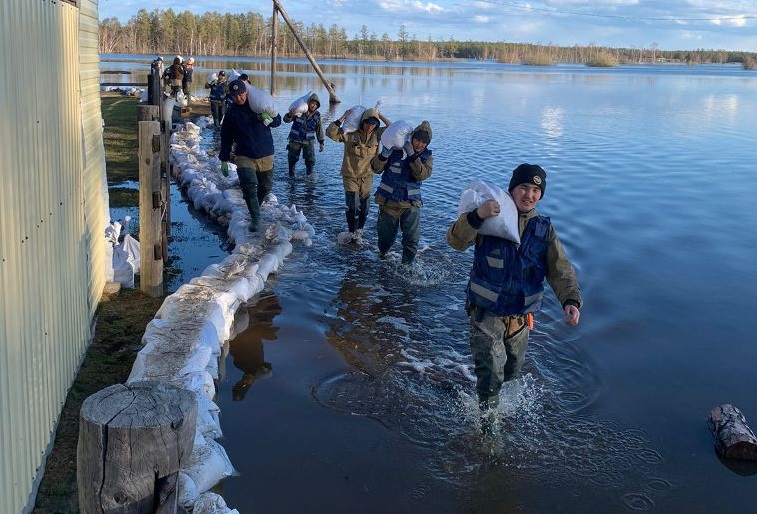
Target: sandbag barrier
[{"x": 182, "y": 344}]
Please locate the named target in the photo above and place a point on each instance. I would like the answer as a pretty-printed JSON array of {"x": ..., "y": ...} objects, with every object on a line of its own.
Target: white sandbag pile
[
  {"x": 182, "y": 345},
  {"x": 123, "y": 253},
  {"x": 505, "y": 224}
]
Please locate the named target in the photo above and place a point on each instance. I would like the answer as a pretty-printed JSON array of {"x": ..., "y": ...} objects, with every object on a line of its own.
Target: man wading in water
[{"x": 506, "y": 285}]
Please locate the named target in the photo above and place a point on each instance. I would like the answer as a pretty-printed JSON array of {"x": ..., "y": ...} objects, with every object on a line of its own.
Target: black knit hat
[{"x": 529, "y": 174}]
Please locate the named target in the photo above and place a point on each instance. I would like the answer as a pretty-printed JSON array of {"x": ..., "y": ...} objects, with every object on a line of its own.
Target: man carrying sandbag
[
  {"x": 402, "y": 170},
  {"x": 506, "y": 284},
  {"x": 217, "y": 85},
  {"x": 306, "y": 129},
  {"x": 251, "y": 132},
  {"x": 360, "y": 146}
]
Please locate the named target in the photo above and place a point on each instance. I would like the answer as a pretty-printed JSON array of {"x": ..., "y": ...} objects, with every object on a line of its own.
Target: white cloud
[
  {"x": 480, "y": 19},
  {"x": 404, "y": 6},
  {"x": 739, "y": 21}
]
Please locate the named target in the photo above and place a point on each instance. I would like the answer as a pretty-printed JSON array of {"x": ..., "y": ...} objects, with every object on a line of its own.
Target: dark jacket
[
  {"x": 306, "y": 127},
  {"x": 243, "y": 126}
]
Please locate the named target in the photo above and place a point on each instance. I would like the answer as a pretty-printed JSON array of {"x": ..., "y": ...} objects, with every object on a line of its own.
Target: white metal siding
[
  {"x": 51, "y": 219},
  {"x": 96, "y": 212}
]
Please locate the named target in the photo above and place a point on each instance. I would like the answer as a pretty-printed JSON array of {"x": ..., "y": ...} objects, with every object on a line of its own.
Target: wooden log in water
[
  {"x": 133, "y": 439},
  {"x": 733, "y": 437}
]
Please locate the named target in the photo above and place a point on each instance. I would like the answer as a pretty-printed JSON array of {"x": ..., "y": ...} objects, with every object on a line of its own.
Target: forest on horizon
[{"x": 212, "y": 33}]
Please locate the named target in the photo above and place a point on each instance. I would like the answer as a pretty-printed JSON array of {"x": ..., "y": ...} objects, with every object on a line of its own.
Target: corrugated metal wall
[
  {"x": 50, "y": 207},
  {"x": 96, "y": 212}
]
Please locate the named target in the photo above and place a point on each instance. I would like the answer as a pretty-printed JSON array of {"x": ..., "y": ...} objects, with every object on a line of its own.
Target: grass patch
[
  {"x": 123, "y": 197},
  {"x": 121, "y": 137}
]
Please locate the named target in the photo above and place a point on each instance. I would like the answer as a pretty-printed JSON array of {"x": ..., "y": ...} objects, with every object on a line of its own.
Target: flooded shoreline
[{"x": 368, "y": 401}]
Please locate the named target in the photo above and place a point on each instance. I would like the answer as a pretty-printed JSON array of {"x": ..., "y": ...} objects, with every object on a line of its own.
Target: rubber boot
[
  {"x": 351, "y": 220},
  {"x": 308, "y": 169},
  {"x": 291, "y": 169},
  {"x": 362, "y": 213}
]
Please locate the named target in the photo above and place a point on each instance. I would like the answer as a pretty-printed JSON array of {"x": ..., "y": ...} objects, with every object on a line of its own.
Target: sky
[{"x": 666, "y": 24}]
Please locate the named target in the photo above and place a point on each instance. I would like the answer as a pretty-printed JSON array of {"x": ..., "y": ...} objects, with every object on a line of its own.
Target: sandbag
[
  {"x": 181, "y": 99},
  {"x": 211, "y": 78},
  {"x": 168, "y": 105},
  {"x": 505, "y": 224},
  {"x": 352, "y": 122},
  {"x": 300, "y": 106},
  {"x": 234, "y": 75},
  {"x": 261, "y": 101},
  {"x": 397, "y": 134}
]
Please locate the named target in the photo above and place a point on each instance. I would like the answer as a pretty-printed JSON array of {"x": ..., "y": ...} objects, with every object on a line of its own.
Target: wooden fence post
[
  {"x": 165, "y": 183},
  {"x": 150, "y": 229},
  {"x": 148, "y": 113},
  {"x": 133, "y": 439},
  {"x": 154, "y": 86}
]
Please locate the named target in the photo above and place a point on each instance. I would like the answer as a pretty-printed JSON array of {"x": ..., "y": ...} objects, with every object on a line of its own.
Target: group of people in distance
[
  {"x": 178, "y": 76},
  {"x": 506, "y": 285},
  {"x": 402, "y": 169}
]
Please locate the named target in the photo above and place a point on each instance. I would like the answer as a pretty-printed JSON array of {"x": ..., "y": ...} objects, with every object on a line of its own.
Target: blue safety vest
[
  {"x": 397, "y": 182},
  {"x": 507, "y": 278},
  {"x": 303, "y": 128},
  {"x": 217, "y": 90}
]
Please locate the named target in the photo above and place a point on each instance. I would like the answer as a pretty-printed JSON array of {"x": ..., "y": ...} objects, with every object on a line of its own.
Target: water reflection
[
  {"x": 642, "y": 161},
  {"x": 253, "y": 324}
]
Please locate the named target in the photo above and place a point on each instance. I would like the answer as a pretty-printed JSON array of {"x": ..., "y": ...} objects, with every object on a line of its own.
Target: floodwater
[{"x": 352, "y": 387}]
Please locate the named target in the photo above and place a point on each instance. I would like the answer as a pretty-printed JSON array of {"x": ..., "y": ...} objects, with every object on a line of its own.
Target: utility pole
[{"x": 333, "y": 99}]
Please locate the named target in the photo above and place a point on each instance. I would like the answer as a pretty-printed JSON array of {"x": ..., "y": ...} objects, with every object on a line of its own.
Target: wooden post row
[
  {"x": 150, "y": 229},
  {"x": 133, "y": 439}
]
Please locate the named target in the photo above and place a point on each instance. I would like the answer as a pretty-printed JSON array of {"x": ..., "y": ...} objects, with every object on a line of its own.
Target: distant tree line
[{"x": 166, "y": 32}]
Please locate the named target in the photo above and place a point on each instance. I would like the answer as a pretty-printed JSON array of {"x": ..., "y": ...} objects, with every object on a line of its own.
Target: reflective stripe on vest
[
  {"x": 303, "y": 128},
  {"x": 508, "y": 279},
  {"x": 397, "y": 183}
]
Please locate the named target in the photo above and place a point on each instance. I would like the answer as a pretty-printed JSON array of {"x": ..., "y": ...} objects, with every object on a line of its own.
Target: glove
[
  {"x": 265, "y": 118},
  {"x": 386, "y": 152},
  {"x": 408, "y": 148},
  {"x": 225, "y": 169}
]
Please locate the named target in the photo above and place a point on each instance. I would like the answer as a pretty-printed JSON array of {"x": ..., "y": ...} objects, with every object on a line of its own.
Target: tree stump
[
  {"x": 133, "y": 440},
  {"x": 733, "y": 437}
]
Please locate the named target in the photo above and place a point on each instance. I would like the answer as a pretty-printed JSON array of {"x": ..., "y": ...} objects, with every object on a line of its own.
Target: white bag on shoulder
[
  {"x": 261, "y": 101},
  {"x": 352, "y": 122},
  {"x": 300, "y": 106},
  {"x": 397, "y": 134},
  {"x": 505, "y": 224}
]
